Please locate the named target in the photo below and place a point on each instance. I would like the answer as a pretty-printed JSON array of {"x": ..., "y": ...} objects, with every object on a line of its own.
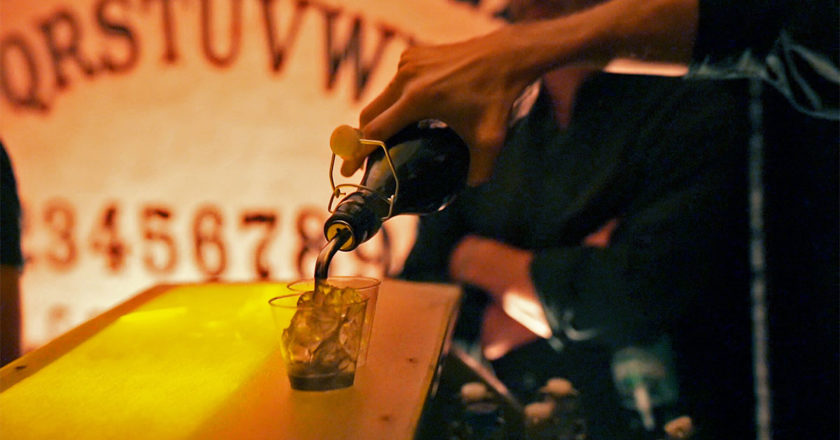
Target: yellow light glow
[
  {"x": 200, "y": 362},
  {"x": 197, "y": 355}
]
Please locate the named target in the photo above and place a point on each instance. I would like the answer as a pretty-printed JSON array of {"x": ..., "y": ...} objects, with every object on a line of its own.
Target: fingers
[
  {"x": 382, "y": 127},
  {"x": 349, "y": 166},
  {"x": 393, "y": 119},
  {"x": 399, "y": 104},
  {"x": 395, "y": 90},
  {"x": 389, "y": 112},
  {"x": 376, "y": 122},
  {"x": 386, "y": 98}
]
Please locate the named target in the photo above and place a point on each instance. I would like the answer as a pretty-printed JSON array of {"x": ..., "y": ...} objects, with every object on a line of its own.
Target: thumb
[{"x": 349, "y": 166}]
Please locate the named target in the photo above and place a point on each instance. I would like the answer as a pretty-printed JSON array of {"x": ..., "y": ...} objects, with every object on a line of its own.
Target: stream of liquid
[{"x": 322, "y": 264}]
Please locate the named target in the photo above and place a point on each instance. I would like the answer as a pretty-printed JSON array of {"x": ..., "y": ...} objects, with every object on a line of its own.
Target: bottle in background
[{"x": 646, "y": 382}]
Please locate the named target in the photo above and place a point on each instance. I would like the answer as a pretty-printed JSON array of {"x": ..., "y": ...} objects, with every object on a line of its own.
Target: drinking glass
[
  {"x": 364, "y": 285},
  {"x": 324, "y": 335}
]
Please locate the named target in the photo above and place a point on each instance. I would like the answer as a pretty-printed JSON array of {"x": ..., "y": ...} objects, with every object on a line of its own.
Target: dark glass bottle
[{"x": 430, "y": 162}]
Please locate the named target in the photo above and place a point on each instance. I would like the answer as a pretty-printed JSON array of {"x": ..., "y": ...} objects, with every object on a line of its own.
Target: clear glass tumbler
[
  {"x": 324, "y": 337},
  {"x": 366, "y": 286}
]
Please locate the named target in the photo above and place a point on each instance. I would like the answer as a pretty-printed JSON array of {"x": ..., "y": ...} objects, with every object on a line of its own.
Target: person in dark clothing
[
  {"x": 793, "y": 161},
  {"x": 11, "y": 262},
  {"x": 674, "y": 223}
]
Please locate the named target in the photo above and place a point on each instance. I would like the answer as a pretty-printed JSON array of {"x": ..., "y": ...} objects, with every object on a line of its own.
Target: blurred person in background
[{"x": 11, "y": 262}]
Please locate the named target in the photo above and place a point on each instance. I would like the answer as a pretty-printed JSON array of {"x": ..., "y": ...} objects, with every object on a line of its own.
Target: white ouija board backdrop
[{"x": 161, "y": 141}]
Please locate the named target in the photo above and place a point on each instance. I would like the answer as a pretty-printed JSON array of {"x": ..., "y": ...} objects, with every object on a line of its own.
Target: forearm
[
  {"x": 504, "y": 273},
  {"x": 627, "y": 36}
]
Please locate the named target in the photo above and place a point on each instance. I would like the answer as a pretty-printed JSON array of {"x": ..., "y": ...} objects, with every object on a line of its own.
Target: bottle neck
[
  {"x": 336, "y": 241},
  {"x": 360, "y": 214},
  {"x": 425, "y": 167}
]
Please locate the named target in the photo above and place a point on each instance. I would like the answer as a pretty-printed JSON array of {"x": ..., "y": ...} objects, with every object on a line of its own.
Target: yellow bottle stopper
[{"x": 346, "y": 141}]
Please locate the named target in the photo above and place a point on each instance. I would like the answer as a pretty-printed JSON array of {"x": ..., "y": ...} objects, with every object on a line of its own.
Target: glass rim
[
  {"x": 374, "y": 282},
  {"x": 274, "y": 302}
]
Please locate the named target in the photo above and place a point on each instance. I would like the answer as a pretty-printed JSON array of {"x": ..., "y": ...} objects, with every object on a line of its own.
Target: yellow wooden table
[{"x": 201, "y": 361}]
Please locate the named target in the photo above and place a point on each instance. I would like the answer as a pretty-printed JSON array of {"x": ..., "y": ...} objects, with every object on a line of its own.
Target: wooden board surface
[{"x": 201, "y": 361}]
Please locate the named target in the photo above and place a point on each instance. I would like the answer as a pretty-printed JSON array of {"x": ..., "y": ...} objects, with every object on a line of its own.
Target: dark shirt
[
  {"x": 10, "y": 252},
  {"x": 666, "y": 158}
]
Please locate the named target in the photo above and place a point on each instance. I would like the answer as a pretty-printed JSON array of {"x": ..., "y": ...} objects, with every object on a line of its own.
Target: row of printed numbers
[{"x": 108, "y": 239}]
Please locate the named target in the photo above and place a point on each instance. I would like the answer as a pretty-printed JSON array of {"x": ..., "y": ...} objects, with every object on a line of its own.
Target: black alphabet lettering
[
  {"x": 67, "y": 49},
  {"x": 277, "y": 50},
  {"x": 117, "y": 29},
  {"x": 352, "y": 50},
  {"x": 235, "y": 33},
  {"x": 26, "y": 96},
  {"x": 170, "y": 53}
]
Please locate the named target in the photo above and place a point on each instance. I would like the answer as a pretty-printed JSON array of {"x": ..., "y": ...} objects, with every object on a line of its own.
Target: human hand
[
  {"x": 491, "y": 265},
  {"x": 502, "y": 271},
  {"x": 470, "y": 85},
  {"x": 500, "y": 333}
]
